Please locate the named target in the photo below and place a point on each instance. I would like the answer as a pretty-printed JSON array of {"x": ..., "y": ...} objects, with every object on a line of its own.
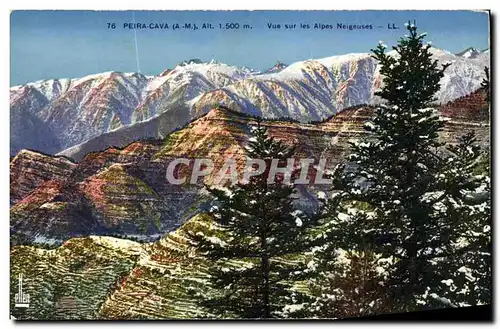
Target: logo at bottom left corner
[{"x": 22, "y": 299}]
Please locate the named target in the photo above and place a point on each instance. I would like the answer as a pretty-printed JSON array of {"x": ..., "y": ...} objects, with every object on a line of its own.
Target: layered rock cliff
[{"x": 125, "y": 191}]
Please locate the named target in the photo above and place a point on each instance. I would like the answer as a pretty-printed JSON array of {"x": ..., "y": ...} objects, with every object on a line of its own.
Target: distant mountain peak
[{"x": 114, "y": 109}]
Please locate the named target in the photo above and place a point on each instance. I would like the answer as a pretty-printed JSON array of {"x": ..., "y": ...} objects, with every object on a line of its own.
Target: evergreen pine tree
[
  {"x": 256, "y": 240},
  {"x": 467, "y": 272},
  {"x": 400, "y": 174}
]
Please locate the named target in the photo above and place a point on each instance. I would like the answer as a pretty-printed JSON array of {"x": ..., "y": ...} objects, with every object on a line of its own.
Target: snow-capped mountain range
[
  {"x": 278, "y": 67},
  {"x": 54, "y": 115}
]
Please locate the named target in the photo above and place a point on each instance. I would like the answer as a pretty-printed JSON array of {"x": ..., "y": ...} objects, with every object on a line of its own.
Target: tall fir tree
[
  {"x": 256, "y": 242},
  {"x": 400, "y": 175},
  {"x": 349, "y": 278}
]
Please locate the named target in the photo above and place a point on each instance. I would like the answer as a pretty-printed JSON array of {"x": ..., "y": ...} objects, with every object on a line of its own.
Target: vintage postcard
[{"x": 250, "y": 165}]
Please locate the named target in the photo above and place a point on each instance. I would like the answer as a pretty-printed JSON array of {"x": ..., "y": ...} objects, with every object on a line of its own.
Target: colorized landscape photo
[{"x": 249, "y": 164}]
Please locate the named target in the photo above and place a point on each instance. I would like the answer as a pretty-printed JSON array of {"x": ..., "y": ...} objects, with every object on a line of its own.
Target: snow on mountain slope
[
  {"x": 469, "y": 53},
  {"x": 278, "y": 67},
  {"x": 93, "y": 105},
  {"x": 68, "y": 111},
  {"x": 306, "y": 90}
]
